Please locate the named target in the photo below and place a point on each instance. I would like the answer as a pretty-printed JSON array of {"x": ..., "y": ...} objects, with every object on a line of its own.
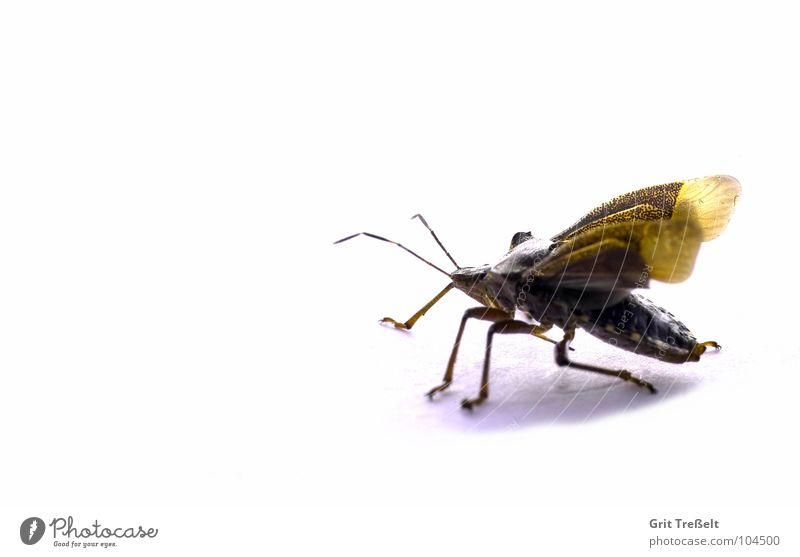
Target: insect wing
[
  {"x": 707, "y": 202},
  {"x": 603, "y": 264}
]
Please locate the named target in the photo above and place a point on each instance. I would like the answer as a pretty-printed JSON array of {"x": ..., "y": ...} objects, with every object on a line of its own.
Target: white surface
[{"x": 177, "y": 328}]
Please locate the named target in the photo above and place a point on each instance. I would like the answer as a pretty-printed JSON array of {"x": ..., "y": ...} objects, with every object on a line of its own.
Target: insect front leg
[
  {"x": 413, "y": 319},
  {"x": 483, "y": 313},
  {"x": 562, "y": 359}
]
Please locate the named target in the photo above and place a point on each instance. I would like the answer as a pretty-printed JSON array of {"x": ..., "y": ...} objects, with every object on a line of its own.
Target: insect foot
[
  {"x": 469, "y": 403},
  {"x": 396, "y": 324},
  {"x": 627, "y": 376},
  {"x": 437, "y": 389},
  {"x": 700, "y": 349}
]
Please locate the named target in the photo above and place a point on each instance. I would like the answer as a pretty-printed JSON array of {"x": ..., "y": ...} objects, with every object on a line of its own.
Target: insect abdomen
[{"x": 638, "y": 325}]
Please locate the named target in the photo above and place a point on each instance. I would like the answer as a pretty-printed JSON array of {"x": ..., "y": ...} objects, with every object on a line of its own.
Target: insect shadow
[{"x": 532, "y": 393}]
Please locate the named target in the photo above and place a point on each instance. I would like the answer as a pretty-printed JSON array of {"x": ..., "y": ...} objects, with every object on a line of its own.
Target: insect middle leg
[
  {"x": 562, "y": 359},
  {"x": 483, "y": 313},
  {"x": 503, "y": 324},
  {"x": 509, "y": 327}
]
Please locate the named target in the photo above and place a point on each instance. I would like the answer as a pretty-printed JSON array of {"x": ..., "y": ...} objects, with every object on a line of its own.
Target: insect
[{"x": 585, "y": 277}]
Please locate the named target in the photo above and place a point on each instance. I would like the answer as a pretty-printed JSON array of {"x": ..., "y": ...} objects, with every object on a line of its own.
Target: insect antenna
[
  {"x": 381, "y": 238},
  {"x": 447, "y": 253}
]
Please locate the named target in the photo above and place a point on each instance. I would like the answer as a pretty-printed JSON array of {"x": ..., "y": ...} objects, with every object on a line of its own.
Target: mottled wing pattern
[
  {"x": 708, "y": 202},
  {"x": 624, "y": 255},
  {"x": 652, "y": 233}
]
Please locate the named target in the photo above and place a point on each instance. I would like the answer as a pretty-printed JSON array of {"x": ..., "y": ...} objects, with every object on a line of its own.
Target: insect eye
[{"x": 520, "y": 237}]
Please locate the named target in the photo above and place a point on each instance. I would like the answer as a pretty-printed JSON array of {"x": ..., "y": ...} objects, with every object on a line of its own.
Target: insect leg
[
  {"x": 562, "y": 359},
  {"x": 712, "y": 344},
  {"x": 413, "y": 319},
  {"x": 700, "y": 349},
  {"x": 539, "y": 332},
  {"x": 508, "y": 327},
  {"x": 486, "y": 314}
]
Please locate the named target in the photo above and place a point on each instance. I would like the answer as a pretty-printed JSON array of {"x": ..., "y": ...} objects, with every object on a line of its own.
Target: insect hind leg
[
  {"x": 562, "y": 359},
  {"x": 700, "y": 348}
]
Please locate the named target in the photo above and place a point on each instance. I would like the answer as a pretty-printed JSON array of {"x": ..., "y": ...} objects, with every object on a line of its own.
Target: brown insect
[{"x": 586, "y": 276}]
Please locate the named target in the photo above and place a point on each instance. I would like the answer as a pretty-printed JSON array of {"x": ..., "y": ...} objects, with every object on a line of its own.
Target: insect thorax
[{"x": 502, "y": 286}]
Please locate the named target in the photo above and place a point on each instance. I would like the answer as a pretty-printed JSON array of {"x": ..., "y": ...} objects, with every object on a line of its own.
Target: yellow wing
[
  {"x": 707, "y": 202},
  {"x": 624, "y": 255}
]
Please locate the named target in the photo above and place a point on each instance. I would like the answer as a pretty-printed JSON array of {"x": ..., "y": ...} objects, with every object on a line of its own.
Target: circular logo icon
[{"x": 31, "y": 530}]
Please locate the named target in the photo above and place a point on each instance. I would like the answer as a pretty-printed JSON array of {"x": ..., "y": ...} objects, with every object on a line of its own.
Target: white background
[{"x": 182, "y": 346}]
